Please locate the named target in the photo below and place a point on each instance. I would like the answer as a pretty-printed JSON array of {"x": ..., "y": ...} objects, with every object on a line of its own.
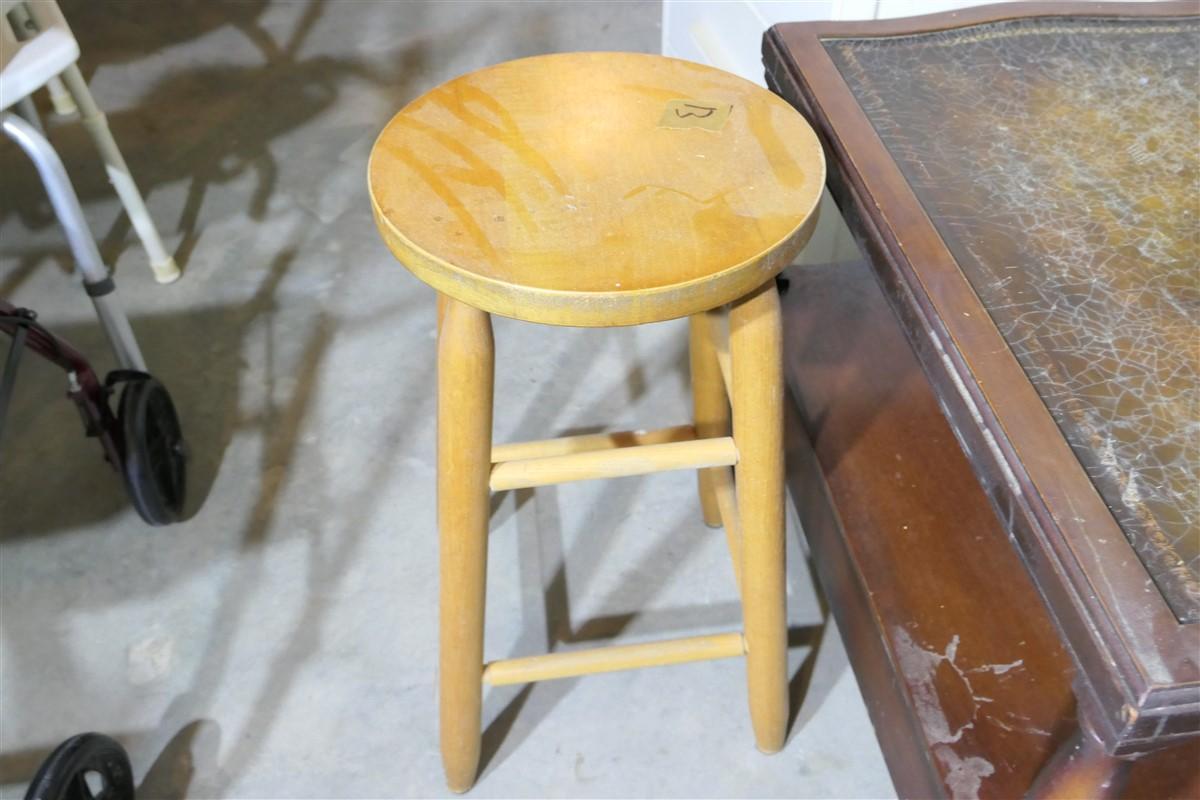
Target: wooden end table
[{"x": 1008, "y": 531}]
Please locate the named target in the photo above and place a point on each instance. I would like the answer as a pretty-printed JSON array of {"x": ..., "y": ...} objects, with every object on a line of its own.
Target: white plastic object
[
  {"x": 47, "y": 58},
  {"x": 26, "y": 66},
  {"x": 60, "y": 98},
  {"x": 93, "y": 119},
  {"x": 79, "y": 236}
]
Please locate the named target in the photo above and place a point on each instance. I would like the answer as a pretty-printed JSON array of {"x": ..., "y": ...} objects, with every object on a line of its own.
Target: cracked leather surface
[{"x": 1058, "y": 160}]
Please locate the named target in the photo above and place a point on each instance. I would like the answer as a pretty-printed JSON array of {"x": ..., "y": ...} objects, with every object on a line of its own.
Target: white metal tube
[
  {"x": 165, "y": 269},
  {"x": 62, "y": 195},
  {"x": 60, "y": 98},
  {"x": 28, "y": 112},
  {"x": 120, "y": 335},
  {"x": 79, "y": 235}
]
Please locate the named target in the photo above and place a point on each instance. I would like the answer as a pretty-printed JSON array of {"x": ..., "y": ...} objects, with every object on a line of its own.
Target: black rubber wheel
[
  {"x": 155, "y": 456},
  {"x": 89, "y": 766}
]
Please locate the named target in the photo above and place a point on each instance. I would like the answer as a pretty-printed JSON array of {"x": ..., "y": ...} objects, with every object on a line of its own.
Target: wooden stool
[{"x": 604, "y": 189}]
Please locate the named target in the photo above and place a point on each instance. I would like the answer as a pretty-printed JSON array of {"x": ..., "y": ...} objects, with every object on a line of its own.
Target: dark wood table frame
[{"x": 1137, "y": 685}]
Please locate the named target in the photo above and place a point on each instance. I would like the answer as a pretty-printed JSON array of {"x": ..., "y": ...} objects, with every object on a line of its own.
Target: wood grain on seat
[{"x": 596, "y": 188}]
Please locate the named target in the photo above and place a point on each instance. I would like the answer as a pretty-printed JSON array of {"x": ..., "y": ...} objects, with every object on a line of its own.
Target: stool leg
[
  {"x": 709, "y": 403},
  {"x": 465, "y": 374},
  {"x": 756, "y": 353}
]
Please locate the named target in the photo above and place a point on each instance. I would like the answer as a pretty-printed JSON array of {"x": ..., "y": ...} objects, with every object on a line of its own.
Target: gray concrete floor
[{"x": 281, "y": 642}]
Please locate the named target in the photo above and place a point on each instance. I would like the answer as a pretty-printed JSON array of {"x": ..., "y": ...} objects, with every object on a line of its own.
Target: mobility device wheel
[
  {"x": 142, "y": 441},
  {"x": 153, "y": 452},
  {"x": 89, "y": 766}
]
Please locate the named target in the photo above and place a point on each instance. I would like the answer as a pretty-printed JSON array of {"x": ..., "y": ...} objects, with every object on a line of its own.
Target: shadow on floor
[
  {"x": 210, "y": 125},
  {"x": 45, "y": 442},
  {"x": 168, "y": 778},
  {"x": 511, "y": 713},
  {"x": 189, "y": 127}
]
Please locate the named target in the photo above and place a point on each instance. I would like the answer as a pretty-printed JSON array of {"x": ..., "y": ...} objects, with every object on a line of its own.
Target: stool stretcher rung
[
  {"x": 613, "y": 658},
  {"x": 565, "y": 445},
  {"x": 614, "y": 463}
]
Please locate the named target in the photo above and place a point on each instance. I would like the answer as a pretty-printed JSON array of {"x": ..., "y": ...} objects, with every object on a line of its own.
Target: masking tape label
[{"x": 695, "y": 114}]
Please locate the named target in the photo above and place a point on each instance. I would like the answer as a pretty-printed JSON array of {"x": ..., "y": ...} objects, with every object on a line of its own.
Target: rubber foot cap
[{"x": 166, "y": 272}]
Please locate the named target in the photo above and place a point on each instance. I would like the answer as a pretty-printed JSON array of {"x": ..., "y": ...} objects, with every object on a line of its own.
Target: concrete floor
[{"x": 281, "y": 642}]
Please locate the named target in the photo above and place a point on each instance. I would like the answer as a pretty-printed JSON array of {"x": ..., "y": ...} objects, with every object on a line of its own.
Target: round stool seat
[{"x": 596, "y": 189}]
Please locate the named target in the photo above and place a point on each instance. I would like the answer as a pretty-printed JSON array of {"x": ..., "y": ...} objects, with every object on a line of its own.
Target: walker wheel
[
  {"x": 155, "y": 455},
  {"x": 85, "y": 767}
]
